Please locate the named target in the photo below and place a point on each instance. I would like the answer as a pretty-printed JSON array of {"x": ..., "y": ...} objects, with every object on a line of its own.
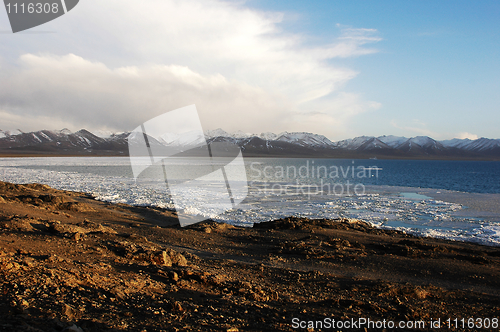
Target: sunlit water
[{"x": 372, "y": 190}]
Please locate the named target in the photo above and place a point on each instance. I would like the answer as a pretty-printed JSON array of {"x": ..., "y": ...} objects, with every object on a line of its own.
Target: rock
[
  {"x": 421, "y": 293},
  {"x": 177, "y": 306},
  {"x": 28, "y": 261},
  {"x": 246, "y": 285},
  {"x": 309, "y": 224},
  {"x": 104, "y": 230},
  {"x": 191, "y": 257},
  {"x": 211, "y": 226},
  {"x": 161, "y": 258},
  {"x": 68, "y": 311},
  {"x": 51, "y": 199},
  {"x": 25, "y": 304},
  {"x": 217, "y": 279},
  {"x": 2, "y": 200},
  {"x": 75, "y": 207},
  {"x": 38, "y": 186},
  {"x": 176, "y": 258},
  {"x": 57, "y": 228},
  {"x": 19, "y": 224}
]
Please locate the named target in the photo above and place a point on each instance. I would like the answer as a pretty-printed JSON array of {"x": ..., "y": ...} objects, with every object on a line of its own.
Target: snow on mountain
[
  {"x": 456, "y": 143},
  {"x": 421, "y": 145},
  {"x": 353, "y": 143},
  {"x": 478, "y": 145},
  {"x": 392, "y": 141},
  {"x": 268, "y": 136},
  {"x": 241, "y": 134},
  {"x": 209, "y": 134},
  {"x": 299, "y": 138},
  {"x": 483, "y": 144},
  {"x": 305, "y": 139},
  {"x": 425, "y": 142},
  {"x": 103, "y": 133},
  {"x": 6, "y": 133},
  {"x": 187, "y": 139},
  {"x": 294, "y": 143},
  {"x": 65, "y": 131},
  {"x": 374, "y": 144},
  {"x": 363, "y": 143}
]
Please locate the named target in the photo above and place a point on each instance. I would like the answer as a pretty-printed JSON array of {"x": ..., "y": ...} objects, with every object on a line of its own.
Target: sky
[{"x": 337, "y": 68}]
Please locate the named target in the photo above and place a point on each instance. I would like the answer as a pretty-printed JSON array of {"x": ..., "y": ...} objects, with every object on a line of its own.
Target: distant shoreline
[{"x": 251, "y": 155}]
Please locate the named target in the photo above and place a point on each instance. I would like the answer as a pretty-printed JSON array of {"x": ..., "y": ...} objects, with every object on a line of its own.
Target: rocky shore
[{"x": 71, "y": 263}]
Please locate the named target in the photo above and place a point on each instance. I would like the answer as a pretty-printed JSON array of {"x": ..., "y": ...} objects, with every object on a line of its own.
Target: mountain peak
[
  {"x": 65, "y": 131},
  {"x": 283, "y": 144}
]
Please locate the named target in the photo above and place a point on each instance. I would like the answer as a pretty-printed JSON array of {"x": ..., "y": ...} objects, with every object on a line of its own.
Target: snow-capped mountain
[
  {"x": 392, "y": 141},
  {"x": 268, "y": 136},
  {"x": 305, "y": 139},
  {"x": 222, "y": 133},
  {"x": 361, "y": 143},
  {"x": 479, "y": 145},
  {"x": 187, "y": 139},
  {"x": 216, "y": 133},
  {"x": 60, "y": 141},
  {"x": 103, "y": 133},
  {"x": 421, "y": 145},
  {"x": 483, "y": 144},
  {"x": 301, "y": 139},
  {"x": 295, "y": 144},
  {"x": 8, "y": 133}
]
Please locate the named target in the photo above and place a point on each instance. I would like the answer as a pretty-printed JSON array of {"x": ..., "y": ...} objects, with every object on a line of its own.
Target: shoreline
[
  {"x": 263, "y": 156},
  {"x": 67, "y": 259},
  {"x": 481, "y": 206}
]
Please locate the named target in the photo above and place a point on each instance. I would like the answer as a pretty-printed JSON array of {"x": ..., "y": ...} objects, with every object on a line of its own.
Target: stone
[
  {"x": 176, "y": 258},
  {"x": 68, "y": 311},
  {"x": 161, "y": 258}
]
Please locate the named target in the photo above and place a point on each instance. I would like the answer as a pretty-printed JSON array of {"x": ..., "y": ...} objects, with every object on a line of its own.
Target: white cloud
[
  {"x": 416, "y": 127},
  {"x": 467, "y": 135},
  {"x": 137, "y": 59},
  {"x": 11, "y": 121},
  {"x": 331, "y": 115},
  {"x": 75, "y": 90}
]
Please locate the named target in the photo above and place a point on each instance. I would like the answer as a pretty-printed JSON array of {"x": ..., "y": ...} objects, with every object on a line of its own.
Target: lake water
[{"x": 447, "y": 199}]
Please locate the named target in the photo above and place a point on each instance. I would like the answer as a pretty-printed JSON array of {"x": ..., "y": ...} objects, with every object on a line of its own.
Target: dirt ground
[{"x": 70, "y": 263}]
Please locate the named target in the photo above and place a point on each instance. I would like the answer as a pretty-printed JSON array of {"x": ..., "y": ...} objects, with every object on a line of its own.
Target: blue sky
[
  {"x": 438, "y": 65},
  {"x": 338, "y": 68}
]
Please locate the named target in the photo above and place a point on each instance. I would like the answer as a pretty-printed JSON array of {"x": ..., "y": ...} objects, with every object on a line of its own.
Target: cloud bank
[{"x": 118, "y": 66}]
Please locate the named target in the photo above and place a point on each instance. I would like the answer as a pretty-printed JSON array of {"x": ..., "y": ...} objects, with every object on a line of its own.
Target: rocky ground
[{"x": 70, "y": 263}]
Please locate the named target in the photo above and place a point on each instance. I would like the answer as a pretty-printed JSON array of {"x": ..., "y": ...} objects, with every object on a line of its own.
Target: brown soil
[{"x": 70, "y": 263}]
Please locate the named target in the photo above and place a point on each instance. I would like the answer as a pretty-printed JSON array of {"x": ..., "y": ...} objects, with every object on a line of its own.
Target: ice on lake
[{"x": 425, "y": 212}]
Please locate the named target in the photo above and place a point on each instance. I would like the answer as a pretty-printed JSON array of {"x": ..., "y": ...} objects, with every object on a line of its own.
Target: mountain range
[{"x": 296, "y": 144}]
